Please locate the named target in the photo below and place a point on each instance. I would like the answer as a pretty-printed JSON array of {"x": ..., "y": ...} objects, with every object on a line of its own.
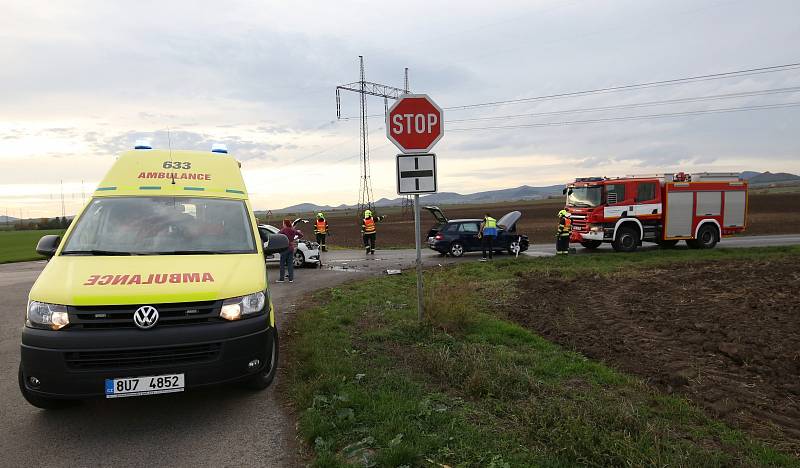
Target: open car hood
[
  {"x": 509, "y": 220},
  {"x": 437, "y": 213}
]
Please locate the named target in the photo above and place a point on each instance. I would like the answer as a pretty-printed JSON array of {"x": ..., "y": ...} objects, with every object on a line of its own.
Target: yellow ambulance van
[{"x": 159, "y": 285}]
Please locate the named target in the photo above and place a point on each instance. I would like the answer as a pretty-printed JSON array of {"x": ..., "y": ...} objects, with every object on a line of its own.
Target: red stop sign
[{"x": 415, "y": 123}]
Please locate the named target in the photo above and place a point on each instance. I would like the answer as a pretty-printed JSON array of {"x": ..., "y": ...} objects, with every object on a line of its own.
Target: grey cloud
[{"x": 243, "y": 149}]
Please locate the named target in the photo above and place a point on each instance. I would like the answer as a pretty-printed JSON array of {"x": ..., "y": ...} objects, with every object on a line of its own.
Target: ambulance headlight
[
  {"x": 238, "y": 307},
  {"x": 47, "y": 316}
]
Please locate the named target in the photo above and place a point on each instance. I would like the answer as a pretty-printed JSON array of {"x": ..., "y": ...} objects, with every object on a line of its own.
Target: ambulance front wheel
[{"x": 265, "y": 376}]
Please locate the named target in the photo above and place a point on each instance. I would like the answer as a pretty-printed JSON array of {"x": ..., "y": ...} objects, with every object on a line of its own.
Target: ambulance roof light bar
[
  {"x": 219, "y": 148},
  {"x": 143, "y": 145}
]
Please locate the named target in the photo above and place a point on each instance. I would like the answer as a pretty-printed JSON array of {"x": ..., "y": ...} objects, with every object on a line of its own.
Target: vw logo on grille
[{"x": 145, "y": 317}]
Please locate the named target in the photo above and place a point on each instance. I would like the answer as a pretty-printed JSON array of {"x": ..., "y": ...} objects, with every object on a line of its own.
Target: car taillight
[{"x": 439, "y": 237}]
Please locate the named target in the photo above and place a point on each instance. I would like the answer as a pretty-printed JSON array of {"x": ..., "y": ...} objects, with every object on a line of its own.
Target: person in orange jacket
[
  {"x": 321, "y": 230},
  {"x": 369, "y": 230}
]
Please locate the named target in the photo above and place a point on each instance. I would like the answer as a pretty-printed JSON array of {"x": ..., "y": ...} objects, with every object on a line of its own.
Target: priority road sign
[
  {"x": 416, "y": 173},
  {"x": 415, "y": 123}
]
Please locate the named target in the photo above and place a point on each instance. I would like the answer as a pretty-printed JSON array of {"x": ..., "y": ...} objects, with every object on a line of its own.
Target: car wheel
[
  {"x": 513, "y": 246},
  {"x": 627, "y": 239},
  {"x": 299, "y": 259},
  {"x": 265, "y": 377},
  {"x": 591, "y": 244},
  {"x": 707, "y": 238},
  {"x": 456, "y": 249},
  {"x": 40, "y": 401}
]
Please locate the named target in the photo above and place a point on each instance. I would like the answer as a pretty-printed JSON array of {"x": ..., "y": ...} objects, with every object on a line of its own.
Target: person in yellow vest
[
  {"x": 563, "y": 232},
  {"x": 321, "y": 230},
  {"x": 369, "y": 230},
  {"x": 488, "y": 233}
]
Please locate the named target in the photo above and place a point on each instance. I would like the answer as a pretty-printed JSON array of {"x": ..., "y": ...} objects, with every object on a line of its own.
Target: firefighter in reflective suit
[
  {"x": 562, "y": 234},
  {"x": 321, "y": 230},
  {"x": 369, "y": 230}
]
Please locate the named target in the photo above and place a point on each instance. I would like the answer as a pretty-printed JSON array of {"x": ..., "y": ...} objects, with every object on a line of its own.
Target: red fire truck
[{"x": 664, "y": 209}]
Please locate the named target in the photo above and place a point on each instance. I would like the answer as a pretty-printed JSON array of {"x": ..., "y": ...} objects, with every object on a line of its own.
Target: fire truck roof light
[
  {"x": 588, "y": 179},
  {"x": 219, "y": 148},
  {"x": 143, "y": 145}
]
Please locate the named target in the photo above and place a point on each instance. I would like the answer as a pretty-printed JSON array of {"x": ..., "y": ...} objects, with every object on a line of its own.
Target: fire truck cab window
[
  {"x": 646, "y": 192},
  {"x": 587, "y": 197},
  {"x": 615, "y": 193}
]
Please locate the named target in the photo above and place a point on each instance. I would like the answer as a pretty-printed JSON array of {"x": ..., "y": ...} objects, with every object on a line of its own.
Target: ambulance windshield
[
  {"x": 587, "y": 196},
  {"x": 161, "y": 226}
]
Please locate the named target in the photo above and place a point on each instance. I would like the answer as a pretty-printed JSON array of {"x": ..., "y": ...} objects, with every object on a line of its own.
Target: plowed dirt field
[{"x": 725, "y": 334}]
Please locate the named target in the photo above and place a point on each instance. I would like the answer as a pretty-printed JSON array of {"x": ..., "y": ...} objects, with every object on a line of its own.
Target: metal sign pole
[{"x": 417, "y": 242}]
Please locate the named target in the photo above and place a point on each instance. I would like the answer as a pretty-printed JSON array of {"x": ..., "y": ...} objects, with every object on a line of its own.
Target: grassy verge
[
  {"x": 20, "y": 246},
  {"x": 466, "y": 388}
]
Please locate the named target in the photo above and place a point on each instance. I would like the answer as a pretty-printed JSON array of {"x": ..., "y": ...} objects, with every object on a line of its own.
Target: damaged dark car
[{"x": 455, "y": 237}]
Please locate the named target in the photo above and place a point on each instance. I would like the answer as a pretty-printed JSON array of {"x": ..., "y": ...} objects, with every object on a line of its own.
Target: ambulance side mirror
[
  {"x": 48, "y": 245},
  {"x": 276, "y": 243}
]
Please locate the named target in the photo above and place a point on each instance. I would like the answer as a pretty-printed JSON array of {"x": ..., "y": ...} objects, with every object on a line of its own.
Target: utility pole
[
  {"x": 63, "y": 209},
  {"x": 406, "y": 210},
  {"x": 365, "y": 88}
]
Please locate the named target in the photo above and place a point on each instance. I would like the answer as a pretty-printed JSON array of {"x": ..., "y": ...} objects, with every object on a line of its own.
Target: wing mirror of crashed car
[
  {"x": 276, "y": 243},
  {"x": 48, "y": 245}
]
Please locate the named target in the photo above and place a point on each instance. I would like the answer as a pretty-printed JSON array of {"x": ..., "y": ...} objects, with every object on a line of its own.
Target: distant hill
[
  {"x": 524, "y": 192},
  {"x": 9, "y": 219},
  {"x": 772, "y": 178}
]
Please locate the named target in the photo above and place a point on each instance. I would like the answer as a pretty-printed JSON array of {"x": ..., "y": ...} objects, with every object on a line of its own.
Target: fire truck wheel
[
  {"x": 627, "y": 239},
  {"x": 707, "y": 238},
  {"x": 591, "y": 244}
]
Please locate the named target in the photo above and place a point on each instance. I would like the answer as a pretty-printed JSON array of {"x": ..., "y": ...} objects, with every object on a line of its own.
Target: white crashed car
[{"x": 306, "y": 253}]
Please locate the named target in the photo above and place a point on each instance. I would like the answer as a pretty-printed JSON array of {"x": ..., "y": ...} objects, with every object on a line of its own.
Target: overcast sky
[{"x": 82, "y": 81}]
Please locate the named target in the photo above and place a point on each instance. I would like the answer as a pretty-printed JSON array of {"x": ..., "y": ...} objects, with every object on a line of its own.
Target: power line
[
  {"x": 716, "y": 97},
  {"x": 611, "y": 89},
  {"x": 632, "y": 117},
  {"x": 651, "y": 84}
]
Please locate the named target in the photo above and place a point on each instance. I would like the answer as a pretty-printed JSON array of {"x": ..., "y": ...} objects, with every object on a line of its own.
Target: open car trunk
[
  {"x": 441, "y": 219},
  {"x": 508, "y": 223}
]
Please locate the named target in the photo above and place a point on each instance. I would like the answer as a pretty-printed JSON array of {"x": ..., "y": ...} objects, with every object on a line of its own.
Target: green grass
[
  {"x": 20, "y": 246},
  {"x": 372, "y": 386}
]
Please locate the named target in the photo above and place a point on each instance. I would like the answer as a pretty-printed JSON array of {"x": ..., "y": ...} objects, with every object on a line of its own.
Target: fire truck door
[{"x": 679, "y": 214}]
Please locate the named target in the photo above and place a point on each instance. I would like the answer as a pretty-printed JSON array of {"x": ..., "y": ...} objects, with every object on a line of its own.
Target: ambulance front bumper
[{"x": 74, "y": 364}]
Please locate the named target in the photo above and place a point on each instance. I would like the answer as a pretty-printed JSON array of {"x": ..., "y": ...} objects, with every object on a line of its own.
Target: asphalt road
[{"x": 223, "y": 426}]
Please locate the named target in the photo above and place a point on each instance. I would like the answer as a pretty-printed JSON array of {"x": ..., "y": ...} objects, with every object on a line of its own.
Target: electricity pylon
[{"x": 367, "y": 88}]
